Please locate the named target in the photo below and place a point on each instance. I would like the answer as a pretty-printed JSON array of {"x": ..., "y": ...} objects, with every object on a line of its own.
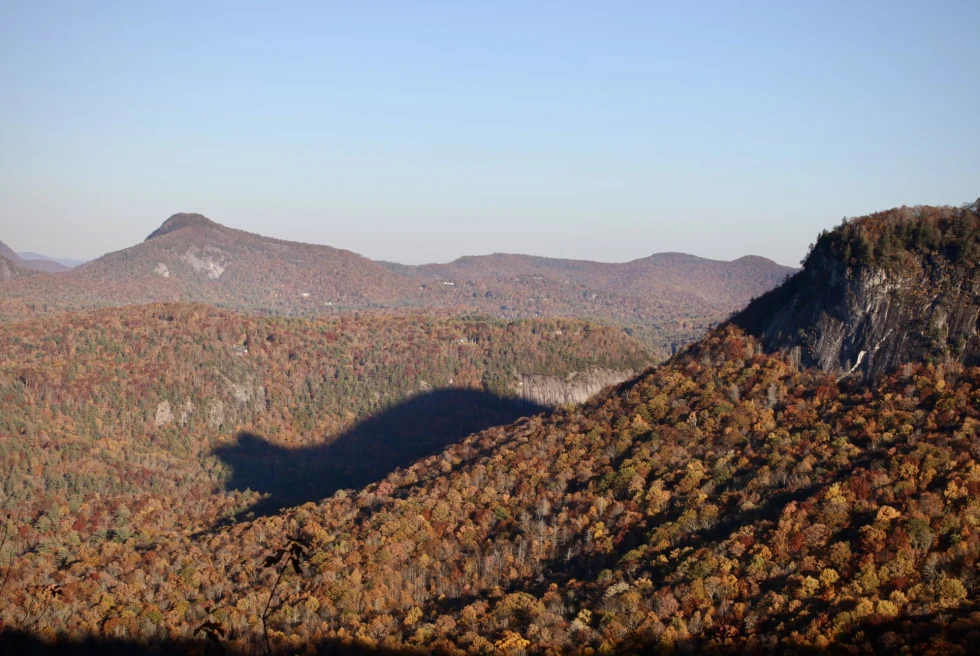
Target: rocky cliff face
[
  {"x": 868, "y": 319},
  {"x": 577, "y": 387},
  {"x": 9, "y": 270}
]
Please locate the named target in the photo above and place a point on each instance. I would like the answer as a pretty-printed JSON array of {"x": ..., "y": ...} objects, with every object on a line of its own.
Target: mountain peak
[{"x": 183, "y": 220}]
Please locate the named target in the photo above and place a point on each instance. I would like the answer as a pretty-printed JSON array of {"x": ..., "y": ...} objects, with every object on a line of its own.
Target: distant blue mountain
[{"x": 67, "y": 261}]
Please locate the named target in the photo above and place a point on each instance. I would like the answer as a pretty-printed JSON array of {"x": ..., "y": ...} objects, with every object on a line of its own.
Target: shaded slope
[
  {"x": 417, "y": 427},
  {"x": 127, "y": 407}
]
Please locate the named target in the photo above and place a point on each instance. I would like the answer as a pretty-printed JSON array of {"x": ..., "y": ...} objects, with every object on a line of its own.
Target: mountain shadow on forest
[{"x": 415, "y": 428}]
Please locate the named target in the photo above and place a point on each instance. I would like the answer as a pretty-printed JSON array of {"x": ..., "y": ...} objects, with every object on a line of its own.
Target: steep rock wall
[
  {"x": 9, "y": 270},
  {"x": 577, "y": 387},
  {"x": 867, "y": 320}
]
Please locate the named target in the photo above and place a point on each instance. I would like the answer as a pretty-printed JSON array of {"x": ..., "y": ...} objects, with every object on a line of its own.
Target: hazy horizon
[
  {"x": 559, "y": 130},
  {"x": 53, "y": 257}
]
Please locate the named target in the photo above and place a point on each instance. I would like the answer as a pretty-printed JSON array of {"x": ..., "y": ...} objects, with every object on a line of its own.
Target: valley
[{"x": 185, "y": 477}]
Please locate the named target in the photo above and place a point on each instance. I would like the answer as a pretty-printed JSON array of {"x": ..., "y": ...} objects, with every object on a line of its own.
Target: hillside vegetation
[
  {"x": 49, "y": 266},
  {"x": 906, "y": 236},
  {"x": 666, "y": 300},
  {"x": 160, "y": 411},
  {"x": 730, "y": 500},
  {"x": 725, "y": 499}
]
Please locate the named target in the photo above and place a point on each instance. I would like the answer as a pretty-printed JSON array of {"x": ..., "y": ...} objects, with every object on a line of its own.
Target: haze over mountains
[
  {"x": 667, "y": 299},
  {"x": 40, "y": 263},
  {"x": 766, "y": 490},
  {"x": 69, "y": 262}
]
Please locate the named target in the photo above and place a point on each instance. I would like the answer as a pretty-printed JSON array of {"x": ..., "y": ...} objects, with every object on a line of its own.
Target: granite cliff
[
  {"x": 577, "y": 387},
  {"x": 879, "y": 291}
]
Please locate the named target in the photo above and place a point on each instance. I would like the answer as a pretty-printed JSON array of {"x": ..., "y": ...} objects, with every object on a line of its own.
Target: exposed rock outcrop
[
  {"x": 210, "y": 260},
  {"x": 577, "y": 387},
  {"x": 7, "y": 270},
  {"x": 865, "y": 317},
  {"x": 11, "y": 269},
  {"x": 164, "y": 414}
]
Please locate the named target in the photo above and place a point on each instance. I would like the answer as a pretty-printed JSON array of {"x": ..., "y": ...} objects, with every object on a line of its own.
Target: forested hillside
[
  {"x": 171, "y": 412},
  {"x": 730, "y": 500},
  {"x": 727, "y": 500},
  {"x": 666, "y": 300}
]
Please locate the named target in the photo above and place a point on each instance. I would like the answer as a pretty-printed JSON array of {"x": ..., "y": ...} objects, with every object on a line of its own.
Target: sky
[{"x": 423, "y": 131}]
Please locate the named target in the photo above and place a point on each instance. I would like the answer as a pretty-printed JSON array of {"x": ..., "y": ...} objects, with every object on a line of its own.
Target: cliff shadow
[{"x": 415, "y": 428}]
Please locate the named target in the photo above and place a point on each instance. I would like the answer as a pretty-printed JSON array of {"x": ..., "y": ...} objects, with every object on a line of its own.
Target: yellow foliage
[
  {"x": 413, "y": 616},
  {"x": 829, "y": 577},
  {"x": 864, "y": 608},
  {"x": 834, "y": 493},
  {"x": 886, "y": 514},
  {"x": 954, "y": 491},
  {"x": 512, "y": 642},
  {"x": 950, "y": 591}
]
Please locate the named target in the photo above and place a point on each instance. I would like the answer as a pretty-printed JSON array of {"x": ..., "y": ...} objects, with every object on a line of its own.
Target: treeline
[{"x": 905, "y": 235}]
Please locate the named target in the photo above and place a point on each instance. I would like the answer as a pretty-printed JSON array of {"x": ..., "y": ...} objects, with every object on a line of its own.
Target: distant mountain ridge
[
  {"x": 69, "y": 262},
  {"x": 652, "y": 274},
  {"x": 35, "y": 265},
  {"x": 666, "y": 299}
]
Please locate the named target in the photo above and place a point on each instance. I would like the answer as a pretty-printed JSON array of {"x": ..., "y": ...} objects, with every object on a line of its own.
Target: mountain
[
  {"x": 37, "y": 265},
  {"x": 662, "y": 275},
  {"x": 11, "y": 269},
  {"x": 71, "y": 263},
  {"x": 730, "y": 500},
  {"x": 893, "y": 287},
  {"x": 670, "y": 298},
  {"x": 666, "y": 300},
  {"x": 192, "y": 258}
]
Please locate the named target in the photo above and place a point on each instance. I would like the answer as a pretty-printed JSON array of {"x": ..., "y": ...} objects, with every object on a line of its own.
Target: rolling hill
[
  {"x": 730, "y": 500},
  {"x": 34, "y": 264},
  {"x": 69, "y": 262},
  {"x": 665, "y": 300}
]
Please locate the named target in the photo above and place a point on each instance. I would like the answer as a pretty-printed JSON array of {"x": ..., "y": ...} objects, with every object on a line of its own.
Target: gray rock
[
  {"x": 164, "y": 414},
  {"x": 866, "y": 320},
  {"x": 577, "y": 387}
]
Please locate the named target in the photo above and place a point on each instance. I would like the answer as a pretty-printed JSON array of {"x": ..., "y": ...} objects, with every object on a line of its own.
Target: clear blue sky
[{"x": 416, "y": 131}]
